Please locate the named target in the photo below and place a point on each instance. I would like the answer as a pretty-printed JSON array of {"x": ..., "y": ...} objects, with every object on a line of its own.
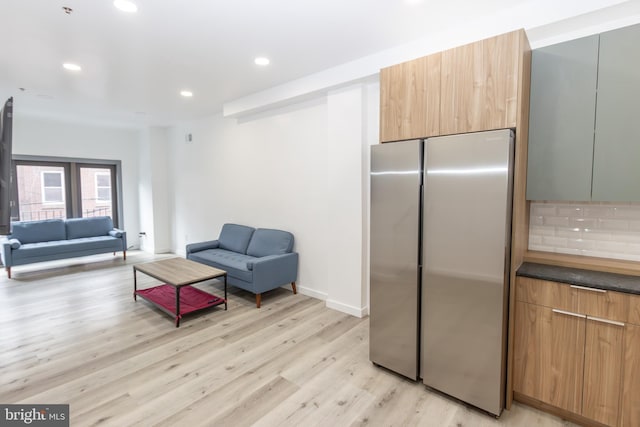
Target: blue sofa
[
  {"x": 256, "y": 260},
  {"x": 36, "y": 241}
]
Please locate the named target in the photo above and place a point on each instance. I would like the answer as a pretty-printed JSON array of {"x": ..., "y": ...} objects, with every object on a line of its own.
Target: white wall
[
  {"x": 37, "y": 136},
  {"x": 302, "y": 169},
  {"x": 266, "y": 171}
]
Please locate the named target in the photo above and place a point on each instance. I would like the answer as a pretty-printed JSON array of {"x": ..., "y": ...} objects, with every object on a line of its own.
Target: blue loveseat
[
  {"x": 36, "y": 241},
  {"x": 256, "y": 260}
]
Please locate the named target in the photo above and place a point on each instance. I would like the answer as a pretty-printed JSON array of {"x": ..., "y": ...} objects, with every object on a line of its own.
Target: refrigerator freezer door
[
  {"x": 395, "y": 236},
  {"x": 467, "y": 232}
]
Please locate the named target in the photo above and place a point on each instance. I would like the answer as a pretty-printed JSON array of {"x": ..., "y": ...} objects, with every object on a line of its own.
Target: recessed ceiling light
[
  {"x": 261, "y": 60},
  {"x": 72, "y": 67},
  {"x": 126, "y": 6},
  {"x": 186, "y": 93}
]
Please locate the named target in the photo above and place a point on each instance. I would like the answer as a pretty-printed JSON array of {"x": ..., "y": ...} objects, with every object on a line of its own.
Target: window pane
[
  {"x": 52, "y": 179},
  {"x": 36, "y": 199},
  {"x": 95, "y": 189},
  {"x": 104, "y": 194},
  {"x": 53, "y": 195},
  {"x": 103, "y": 180}
]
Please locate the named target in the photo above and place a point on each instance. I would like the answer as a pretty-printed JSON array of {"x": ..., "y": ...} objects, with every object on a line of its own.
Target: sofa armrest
[
  {"x": 274, "y": 270},
  {"x": 120, "y": 234},
  {"x": 201, "y": 246},
  {"x": 6, "y": 246},
  {"x": 116, "y": 233}
]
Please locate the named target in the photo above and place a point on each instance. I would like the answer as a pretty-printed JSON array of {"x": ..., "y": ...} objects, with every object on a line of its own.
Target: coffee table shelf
[
  {"x": 176, "y": 296},
  {"x": 191, "y": 299}
]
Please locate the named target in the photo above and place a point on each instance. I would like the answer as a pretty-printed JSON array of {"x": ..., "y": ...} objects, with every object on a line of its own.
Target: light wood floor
[{"x": 70, "y": 332}]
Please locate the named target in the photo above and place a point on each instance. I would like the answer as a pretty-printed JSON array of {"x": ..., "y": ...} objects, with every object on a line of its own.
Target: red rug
[{"x": 191, "y": 299}]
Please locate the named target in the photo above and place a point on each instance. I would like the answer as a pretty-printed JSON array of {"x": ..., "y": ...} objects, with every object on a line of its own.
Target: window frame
[{"x": 72, "y": 183}]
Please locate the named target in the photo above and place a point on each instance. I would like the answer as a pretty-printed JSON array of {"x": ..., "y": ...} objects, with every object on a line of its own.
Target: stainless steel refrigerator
[{"x": 440, "y": 249}]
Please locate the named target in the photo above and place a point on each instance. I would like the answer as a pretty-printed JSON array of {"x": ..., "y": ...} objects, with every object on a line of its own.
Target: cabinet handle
[
  {"x": 583, "y": 288},
  {"x": 568, "y": 313},
  {"x": 611, "y": 322}
]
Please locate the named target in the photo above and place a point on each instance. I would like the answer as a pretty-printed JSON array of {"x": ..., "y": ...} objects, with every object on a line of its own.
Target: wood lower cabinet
[
  {"x": 603, "y": 370},
  {"x": 548, "y": 356},
  {"x": 630, "y": 414},
  {"x": 574, "y": 351}
]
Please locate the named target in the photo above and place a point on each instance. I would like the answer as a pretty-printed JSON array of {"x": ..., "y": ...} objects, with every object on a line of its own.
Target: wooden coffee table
[{"x": 176, "y": 297}]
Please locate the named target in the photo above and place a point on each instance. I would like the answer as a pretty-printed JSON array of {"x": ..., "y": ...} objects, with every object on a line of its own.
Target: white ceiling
[{"x": 134, "y": 65}]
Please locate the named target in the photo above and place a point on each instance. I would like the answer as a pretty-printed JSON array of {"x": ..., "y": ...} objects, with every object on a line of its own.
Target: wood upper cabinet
[
  {"x": 480, "y": 85},
  {"x": 466, "y": 89},
  {"x": 410, "y": 99}
]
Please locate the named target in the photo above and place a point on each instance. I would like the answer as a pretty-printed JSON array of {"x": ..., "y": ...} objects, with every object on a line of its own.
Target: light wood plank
[{"x": 119, "y": 362}]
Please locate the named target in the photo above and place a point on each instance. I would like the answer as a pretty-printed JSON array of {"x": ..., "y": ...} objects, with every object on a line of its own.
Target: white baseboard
[
  {"x": 312, "y": 293},
  {"x": 349, "y": 309}
]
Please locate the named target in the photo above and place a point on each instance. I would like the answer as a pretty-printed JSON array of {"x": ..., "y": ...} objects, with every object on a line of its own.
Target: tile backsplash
[{"x": 605, "y": 230}]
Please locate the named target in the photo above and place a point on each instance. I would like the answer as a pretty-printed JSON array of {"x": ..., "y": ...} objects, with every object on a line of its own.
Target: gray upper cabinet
[
  {"x": 584, "y": 127},
  {"x": 616, "y": 162},
  {"x": 561, "y": 121}
]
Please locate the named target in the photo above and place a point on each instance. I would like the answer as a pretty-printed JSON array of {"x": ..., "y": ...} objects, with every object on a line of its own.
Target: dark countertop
[{"x": 587, "y": 278}]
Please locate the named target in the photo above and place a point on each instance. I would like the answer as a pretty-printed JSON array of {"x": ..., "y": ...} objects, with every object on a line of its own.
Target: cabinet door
[
  {"x": 561, "y": 120},
  {"x": 602, "y": 371},
  {"x": 630, "y": 416},
  {"x": 549, "y": 356},
  {"x": 617, "y": 144},
  {"x": 462, "y": 89},
  {"x": 501, "y": 56},
  {"x": 410, "y": 99}
]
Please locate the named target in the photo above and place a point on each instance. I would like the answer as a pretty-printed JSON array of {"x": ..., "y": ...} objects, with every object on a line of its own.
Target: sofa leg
[
  {"x": 8, "y": 272},
  {"x": 293, "y": 286},
  {"x": 124, "y": 255},
  {"x": 258, "y": 300}
]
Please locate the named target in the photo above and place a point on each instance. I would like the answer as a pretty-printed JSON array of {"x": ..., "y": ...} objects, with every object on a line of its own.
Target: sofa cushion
[
  {"x": 75, "y": 246},
  {"x": 266, "y": 241},
  {"x": 15, "y": 243},
  {"x": 38, "y": 231},
  {"x": 88, "y": 227},
  {"x": 235, "y": 238},
  {"x": 233, "y": 263}
]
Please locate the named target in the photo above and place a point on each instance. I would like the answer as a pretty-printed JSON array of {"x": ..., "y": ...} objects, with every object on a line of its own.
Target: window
[
  {"x": 50, "y": 187},
  {"x": 103, "y": 187},
  {"x": 52, "y": 184},
  {"x": 96, "y": 184}
]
